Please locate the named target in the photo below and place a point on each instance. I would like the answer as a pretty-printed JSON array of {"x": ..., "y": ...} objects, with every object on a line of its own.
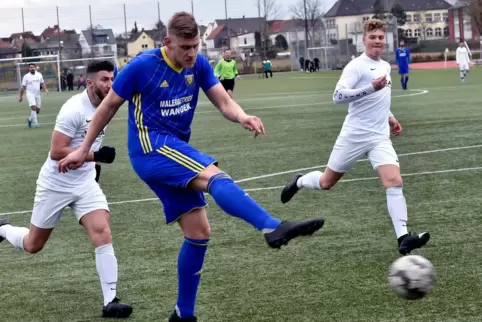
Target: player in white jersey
[
  {"x": 365, "y": 85},
  {"x": 463, "y": 60},
  {"x": 77, "y": 189},
  {"x": 32, "y": 83}
]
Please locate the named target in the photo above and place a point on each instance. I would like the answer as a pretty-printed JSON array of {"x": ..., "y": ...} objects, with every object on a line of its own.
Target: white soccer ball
[{"x": 411, "y": 277}]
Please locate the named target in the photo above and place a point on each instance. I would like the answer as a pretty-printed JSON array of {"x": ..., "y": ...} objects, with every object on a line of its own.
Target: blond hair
[
  {"x": 375, "y": 24},
  {"x": 183, "y": 25}
]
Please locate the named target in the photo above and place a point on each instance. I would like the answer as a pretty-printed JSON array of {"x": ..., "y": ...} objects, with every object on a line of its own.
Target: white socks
[
  {"x": 106, "y": 264},
  {"x": 310, "y": 180},
  {"x": 397, "y": 208},
  {"x": 33, "y": 117},
  {"x": 14, "y": 235}
]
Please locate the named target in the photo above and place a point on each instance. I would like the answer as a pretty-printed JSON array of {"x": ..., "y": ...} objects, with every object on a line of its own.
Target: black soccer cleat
[
  {"x": 115, "y": 309},
  {"x": 3, "y": 221},
  {"x": 290, "y": 189},
  {"x": 288, "y": 230},
  {"x": 411, "y": 241},
  {"x": 175, "y": 318}
]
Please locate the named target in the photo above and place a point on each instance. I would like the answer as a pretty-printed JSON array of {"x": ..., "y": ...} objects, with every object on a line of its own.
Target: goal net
[
  {"x": 76, "y": 67},
  {"x": 13, "y": 69},
  {"x": 326, "y": 55}
]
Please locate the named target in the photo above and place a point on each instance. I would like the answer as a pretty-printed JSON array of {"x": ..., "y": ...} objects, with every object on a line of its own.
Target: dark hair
[
  {"x": 32, "y": 64},
  {"x": 96, "y": 66},
  {"x": 183, "y": 25}
]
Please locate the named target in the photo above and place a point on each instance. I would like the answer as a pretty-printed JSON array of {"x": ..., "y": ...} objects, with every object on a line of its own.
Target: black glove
[{"x": 106, "y": 154}]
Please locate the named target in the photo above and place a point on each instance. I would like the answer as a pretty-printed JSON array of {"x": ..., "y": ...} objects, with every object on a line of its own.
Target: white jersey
[
  {"x": 368, "y": 110},
  {"x": 73, "y": 120},
  {"x": 32, "y": 82},
  {"x": 462, "y": 56}
]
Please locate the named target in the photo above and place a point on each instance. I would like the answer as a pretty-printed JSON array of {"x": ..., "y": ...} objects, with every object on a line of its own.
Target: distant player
[
  {"x": 463, "y": 60},
  {"x": 366, "y": 85},
  {"x": 77, "y": 189},
  {"x": 267, "y": 66},
  {"x": 227, "y": 71},
  {"x": 32, "y": 83},
  {"x": 159, "y": 129},
  {"x": 403, "y": 60}
]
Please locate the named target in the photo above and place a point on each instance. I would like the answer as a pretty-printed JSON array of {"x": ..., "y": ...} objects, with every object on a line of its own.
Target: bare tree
[
  {"x": 269, "y": 10},
  {"x": 311, "y": 11},
  {"x": 473, "y": 11}
]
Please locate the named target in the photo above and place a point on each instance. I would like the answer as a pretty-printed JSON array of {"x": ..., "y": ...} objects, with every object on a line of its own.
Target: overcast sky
[{"x": 38, "y": 14}]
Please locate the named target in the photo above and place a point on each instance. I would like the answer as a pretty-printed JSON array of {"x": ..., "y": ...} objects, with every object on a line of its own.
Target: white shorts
[
  {"x": 345, "y": 154},
  {"x": 33, "y": 99},
  {"x": 50, "y": 203},
  {"x": 464, "y": 66}
]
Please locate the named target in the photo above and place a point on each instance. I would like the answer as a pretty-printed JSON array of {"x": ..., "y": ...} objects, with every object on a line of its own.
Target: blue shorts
[
  {"x": 403, "y": 70},
  {"x": 168, "y": 170}
]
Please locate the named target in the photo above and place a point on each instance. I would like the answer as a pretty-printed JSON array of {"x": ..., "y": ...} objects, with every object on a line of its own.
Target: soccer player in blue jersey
[
  {"x": 403, "y": 59},
  {"x": 162, "y": 87}
]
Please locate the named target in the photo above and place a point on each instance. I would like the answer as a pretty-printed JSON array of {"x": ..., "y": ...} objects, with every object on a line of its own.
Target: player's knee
[
  {"x": 393, "y": 180},
  {"x": 101, "y": 235},
  {"x": 327, "y": 184},
  {"x": 33, "y": 247},
  {"x": 202, "y": 232}
]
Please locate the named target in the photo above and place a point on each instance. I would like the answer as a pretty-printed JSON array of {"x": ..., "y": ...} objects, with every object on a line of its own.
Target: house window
[
  {"x": 416, "y": 18},
  {"x": 408, "y": 33},
  {"x": 409, "y": 18},
  {"x": 330, "y": 23},
  {"x": 245, "y": 41},
  {"x": 438, "y": 32},
  {"x": 144, "y": 46},
  {"x": 445, "y": 16},
  {"x": 446, "y": 32},
  {"x": 366, "y": 19},
  {"x": 429, "y": 18},
  {"x": 429, "y": 32},
  {"x": 417, "y": 32},
  {"x": 437, "y": 17}
]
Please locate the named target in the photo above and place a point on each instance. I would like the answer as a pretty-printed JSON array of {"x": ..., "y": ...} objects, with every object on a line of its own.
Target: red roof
[
  {"x": 215, "y": 32},
  {"x": 276, "y": 26}
]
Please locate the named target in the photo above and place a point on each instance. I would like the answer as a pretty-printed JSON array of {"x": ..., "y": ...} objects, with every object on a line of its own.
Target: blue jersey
[
  {"x": 403, "y": 58},
  {"x": 162, "y": 98}
]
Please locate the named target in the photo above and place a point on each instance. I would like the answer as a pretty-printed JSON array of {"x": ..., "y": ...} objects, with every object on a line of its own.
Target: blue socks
[
  {"x": 234, "y": 201},
  {"x": 189, "y": 266},
  {"x": 404, "y": 82}
]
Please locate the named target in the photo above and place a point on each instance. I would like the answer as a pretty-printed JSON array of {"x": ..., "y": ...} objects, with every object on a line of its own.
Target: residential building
[
  {"x": 98, "y": 43},
  {"x": 144, "y": 40},
  {"x": 236, "y": 33},
  {"x": 426, "y": 19},
  {"x": 461, "y": 25}
]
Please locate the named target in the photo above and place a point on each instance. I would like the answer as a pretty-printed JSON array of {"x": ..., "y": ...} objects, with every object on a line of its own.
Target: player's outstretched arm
[
  {"x": 103, "y": 115},
  {"x": 232, "y": 111},
  {"x": 59, "y": 147}
]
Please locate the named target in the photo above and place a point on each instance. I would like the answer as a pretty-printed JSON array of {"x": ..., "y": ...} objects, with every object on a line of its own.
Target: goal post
[
  {"x": 325, "y": 54},
  {"x": 78, "y": 68},
  {"x": 11, "y": 73}
]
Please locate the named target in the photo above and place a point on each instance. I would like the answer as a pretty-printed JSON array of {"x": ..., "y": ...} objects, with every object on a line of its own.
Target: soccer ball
[{"x": 411, "y": 277}]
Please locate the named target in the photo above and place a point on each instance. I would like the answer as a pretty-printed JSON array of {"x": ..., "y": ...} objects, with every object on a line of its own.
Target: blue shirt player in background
[
  {"x": 403, "y": 60},
  {"x": 162, "y": 87}
]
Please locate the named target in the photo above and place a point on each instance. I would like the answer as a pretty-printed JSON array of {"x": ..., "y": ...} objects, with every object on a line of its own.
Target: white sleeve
[
  {"x": 345, "y": 92},
  {"x": 68, "y": 121},
  {"x": 24, "y": 81},
  {"x": 41, "y": 79},
  {"x": 457, "y": 56}
]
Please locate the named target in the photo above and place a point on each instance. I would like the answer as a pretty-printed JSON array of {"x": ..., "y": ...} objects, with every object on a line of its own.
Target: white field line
[
  {"x": 420, "y": 92},
  {"x": 277, "y": 187},
  {"x": 361, "y": 160}
]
